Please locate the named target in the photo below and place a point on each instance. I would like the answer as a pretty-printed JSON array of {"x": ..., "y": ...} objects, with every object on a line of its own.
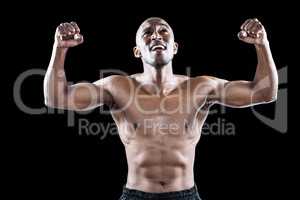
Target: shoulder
[
  {"x": 113, "y": 79},
  {"x": 206, "y": 78},
  {"x": 202, "y": 80},
  {"x": 213, "y": 81},
  {"x": 182, "y": 78},
  {"x": 210, "y": 84},
  {"x": 117, "y": 84},
  {"x": 134, "y": 76}
]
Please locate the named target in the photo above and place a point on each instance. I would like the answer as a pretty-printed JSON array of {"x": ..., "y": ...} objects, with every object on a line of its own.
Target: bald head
[
  {"x": 155, "y": 43},
  {"x": 149, "y": 22},
  {"x": 154, "y": 20}
]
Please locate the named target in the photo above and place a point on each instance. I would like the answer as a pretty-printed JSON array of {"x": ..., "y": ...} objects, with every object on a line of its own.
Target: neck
[{"x": 158, "y": 76}]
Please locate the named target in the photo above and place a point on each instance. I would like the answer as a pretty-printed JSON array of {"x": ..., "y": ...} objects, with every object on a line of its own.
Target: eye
[
  {"x": 146, "y": 33},
  {"x": 164, "y": 31}
]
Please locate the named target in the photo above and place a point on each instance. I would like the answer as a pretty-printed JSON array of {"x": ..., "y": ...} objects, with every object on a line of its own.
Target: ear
[
  {"x": 175, "y": 48},
  {"x": 136, "y": 52}
]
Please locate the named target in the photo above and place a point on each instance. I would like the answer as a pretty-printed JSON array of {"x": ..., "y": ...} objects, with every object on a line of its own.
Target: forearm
[
  {"x": 266, "y": 78},
  {"x": 55, "y": 83}
]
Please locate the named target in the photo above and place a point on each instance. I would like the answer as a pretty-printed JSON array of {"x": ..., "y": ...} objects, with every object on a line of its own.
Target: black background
[{"x": 46, "y": 158}]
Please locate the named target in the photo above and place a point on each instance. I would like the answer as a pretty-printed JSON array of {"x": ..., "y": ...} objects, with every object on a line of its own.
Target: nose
[{"x": 156, "y": 36}]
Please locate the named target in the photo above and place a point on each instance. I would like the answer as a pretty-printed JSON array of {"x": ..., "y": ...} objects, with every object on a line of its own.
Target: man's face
[{"x": 155, "y": 43}]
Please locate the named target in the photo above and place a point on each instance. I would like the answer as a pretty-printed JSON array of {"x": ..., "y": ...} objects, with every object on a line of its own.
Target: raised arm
[
  {"x": 263, "y": 88},
  {"x": 57, "y": 92}
]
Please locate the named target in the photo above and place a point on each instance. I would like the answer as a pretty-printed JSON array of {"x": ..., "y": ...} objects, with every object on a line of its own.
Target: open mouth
[{"x": 158, "y": 47}]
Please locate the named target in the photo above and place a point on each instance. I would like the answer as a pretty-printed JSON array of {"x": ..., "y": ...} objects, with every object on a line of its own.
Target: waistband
[{"x": 148, "y": 195}]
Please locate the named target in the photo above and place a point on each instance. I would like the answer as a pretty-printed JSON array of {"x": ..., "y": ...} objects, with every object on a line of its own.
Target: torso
[{"x": 160, "y": 131}]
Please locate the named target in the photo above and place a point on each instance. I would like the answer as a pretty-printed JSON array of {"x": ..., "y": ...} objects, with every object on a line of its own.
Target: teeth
[{"x": 158, "y": 47}]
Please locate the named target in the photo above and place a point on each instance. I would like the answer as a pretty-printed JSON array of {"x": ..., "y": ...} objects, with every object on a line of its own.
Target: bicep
[
  {"x": 84, "y": 96},
  {"x": 236, "y": 93}
]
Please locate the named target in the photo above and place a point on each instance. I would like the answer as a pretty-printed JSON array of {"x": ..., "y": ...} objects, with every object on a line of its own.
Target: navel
[
  {"x": 186, "y": 126},
  {"x": 136, "y": 125}
]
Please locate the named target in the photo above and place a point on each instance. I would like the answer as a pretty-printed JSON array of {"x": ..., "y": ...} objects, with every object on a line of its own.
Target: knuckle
[{"x": 74, "y": 23}]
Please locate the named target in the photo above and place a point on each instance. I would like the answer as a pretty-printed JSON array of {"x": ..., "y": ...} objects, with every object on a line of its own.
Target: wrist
[
  {"x": 263, "y": 44},
  {"x": 57, "y": 47}
]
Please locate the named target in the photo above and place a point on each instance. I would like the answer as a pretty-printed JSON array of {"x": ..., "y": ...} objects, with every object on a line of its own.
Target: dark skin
[{"x": 159, "y": 114}]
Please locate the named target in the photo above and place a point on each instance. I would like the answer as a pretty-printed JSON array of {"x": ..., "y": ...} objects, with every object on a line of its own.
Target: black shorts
[{"x": 189, "y": 194}]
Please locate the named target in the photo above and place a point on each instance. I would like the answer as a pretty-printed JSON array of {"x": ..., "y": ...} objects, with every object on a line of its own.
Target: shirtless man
[{"x": 159, "y": 115}]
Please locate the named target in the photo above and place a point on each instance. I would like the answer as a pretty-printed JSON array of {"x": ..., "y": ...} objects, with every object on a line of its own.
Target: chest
[{"x": 181, "y": 103}]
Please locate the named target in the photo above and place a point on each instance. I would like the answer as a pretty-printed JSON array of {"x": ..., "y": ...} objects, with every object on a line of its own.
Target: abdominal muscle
[{"x": 160, "y": 164}]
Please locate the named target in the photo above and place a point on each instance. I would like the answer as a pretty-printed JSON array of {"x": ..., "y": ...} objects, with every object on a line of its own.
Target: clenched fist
[
  {"x": 253, "y": 32},
  {"x": 68, "y": 35}
]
